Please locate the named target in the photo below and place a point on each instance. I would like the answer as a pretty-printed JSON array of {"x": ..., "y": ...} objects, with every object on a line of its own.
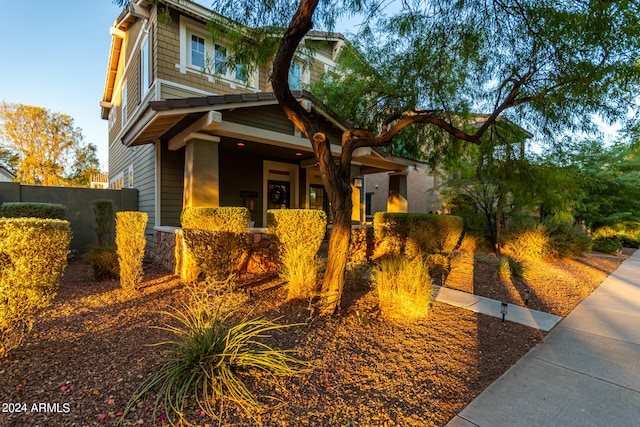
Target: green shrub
[
  {"x": 211, "y": 358},
  {"x": 217, "y": 238},
  {"x": 568, "y": 240},
  {"x": 627, "y": 232},
  {"x": 130, "y": 243},
  {"x": 607, "y": 244},
  {"x": 403, "y": 287},
  {"x": 530, "y": 241},
  {"x": 33, "y": 210},
  {"x": 33, "y": 256},
  {"x": 104, "y": 213},
  {"x": 422, "y": 233},
  {"x": 104, "y": 262},
  {"x": 218, "y": 254},
  {"x": 226, "y": 218},
  {"x": 299, "y": 233}
]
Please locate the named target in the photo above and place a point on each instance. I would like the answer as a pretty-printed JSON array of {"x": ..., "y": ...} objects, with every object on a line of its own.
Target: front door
[{"x": 278, "y": 194}]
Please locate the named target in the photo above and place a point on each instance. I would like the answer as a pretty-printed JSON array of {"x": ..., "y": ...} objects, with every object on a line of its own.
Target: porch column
[
  {"x": 201, "y": 173},
  {"x": 397, "y": 200}
]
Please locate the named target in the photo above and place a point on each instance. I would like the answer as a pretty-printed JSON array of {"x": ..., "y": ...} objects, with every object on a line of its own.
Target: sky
[{"x": 53, "y": 54}]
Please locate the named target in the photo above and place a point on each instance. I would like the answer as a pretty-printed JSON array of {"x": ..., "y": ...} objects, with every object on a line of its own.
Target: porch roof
[{"x": 185, "y": 117}]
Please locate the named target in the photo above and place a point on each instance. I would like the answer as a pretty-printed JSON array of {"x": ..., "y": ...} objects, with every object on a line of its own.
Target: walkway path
[
  {"x": 586, "y": 371},
  {"x": 491, "y": 307}
]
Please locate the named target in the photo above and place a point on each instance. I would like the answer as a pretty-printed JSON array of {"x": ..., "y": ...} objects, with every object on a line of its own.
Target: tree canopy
[
  {"x": 434, "y": 73},
  {"x": 44, "y": 147}
]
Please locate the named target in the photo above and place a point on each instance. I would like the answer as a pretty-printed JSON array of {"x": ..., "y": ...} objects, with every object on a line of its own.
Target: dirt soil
[{"x": 90, "y": 350}]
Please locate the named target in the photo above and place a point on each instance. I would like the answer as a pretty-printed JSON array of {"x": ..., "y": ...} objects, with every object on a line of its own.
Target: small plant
[
  {"x": 510, "y": 268},
  {"x": 607, "y": 244},
  {"x": 403, "y": 287},
  {"x": 299, "y": 233},
  {"x": 104, "y": 262},
  {"x": 568, "y": 240},
  {"x": 208, "y": 359},
  {"x": 130, "y": 242},
  {"x": 33, "y": 256}
]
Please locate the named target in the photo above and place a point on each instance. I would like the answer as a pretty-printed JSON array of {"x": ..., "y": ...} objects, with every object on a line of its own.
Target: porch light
[
  {"x": 240, "y": 144},
  {"x": 357, "y": 182},
  {"x": 299, "y": 154},
  {"x": 527, "y": 294},
  {"x": 503, "y": 309}
]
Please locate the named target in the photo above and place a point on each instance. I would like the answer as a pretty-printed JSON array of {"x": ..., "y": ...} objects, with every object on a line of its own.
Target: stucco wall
[{"x": 79, "y": 203}]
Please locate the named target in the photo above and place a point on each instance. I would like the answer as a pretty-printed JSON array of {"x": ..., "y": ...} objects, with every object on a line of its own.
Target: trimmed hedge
[
  {"x": 104, "y": 213},
  {"x": 33, "y": 256},
  {"x": 130, "y": 242},
  {"x": 217, "y": 238},
  {"x": 299, "y": 233},
  {"x": 33, "y": 210},
  {"x": 229, "y": 218},
  {"x": 413, "y": 234}
]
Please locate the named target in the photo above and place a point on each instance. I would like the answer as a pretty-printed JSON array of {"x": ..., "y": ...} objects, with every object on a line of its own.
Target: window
[
  {"x": 241, "y": 73},
  {"x": 131, "y": 176},
  {"x": 220, "y": 60},
  {"x": 197, "y": 51},
  {"x": 124, "y": 104},
  {"x": 294, "y": 76},
  {"x": 144, "y": 68}
]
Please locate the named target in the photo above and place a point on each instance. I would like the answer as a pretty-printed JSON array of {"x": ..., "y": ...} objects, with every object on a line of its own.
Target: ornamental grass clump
[
  {"x": 210, "y": 359},
  {"x": 529, "y": 242},
  {"x": 218, "y": 239},
  {"x": 33, "y": 256},
  {"x": 403, "y": 287},
  {"x": 299, "y": 233},
  {"x": 130, "y": 243}
]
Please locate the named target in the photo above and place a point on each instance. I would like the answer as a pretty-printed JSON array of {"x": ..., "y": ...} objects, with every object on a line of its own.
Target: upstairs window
[
  {"x": 197, "y": 51},
  {"x": 144, "y": 68},
  {"x": 294, "y": 76},
  {"x": 220, "y": 60},
  {"x": 124, "y": 104},
  {"x": 241, "y": 73}
]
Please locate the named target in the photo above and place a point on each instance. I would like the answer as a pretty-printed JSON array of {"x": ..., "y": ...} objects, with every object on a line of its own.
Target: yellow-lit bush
[
  {"x": 130, "y": 242},
  {"x": 104, "y": 262},
  {"x": 300, "y": 233},
  {"x": 217, "y": 238},
  {"x": 226, "y": 218},
  {"x": 403, "y": 287},
  {"x": 33, "y": 256},
  {"x": 415, "y": 234},
  {"x": 529, "y": 242}
]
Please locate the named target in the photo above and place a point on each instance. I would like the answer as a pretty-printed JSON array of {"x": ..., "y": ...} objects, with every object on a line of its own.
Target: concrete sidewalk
[{"x": 586, "y": 372}]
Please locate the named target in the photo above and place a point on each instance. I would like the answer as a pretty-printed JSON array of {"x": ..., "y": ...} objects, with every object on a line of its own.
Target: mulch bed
[{"x": 90, "y": 350}]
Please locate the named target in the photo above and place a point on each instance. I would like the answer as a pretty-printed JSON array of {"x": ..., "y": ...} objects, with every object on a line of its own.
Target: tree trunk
[{"x": 339, "y": 193}]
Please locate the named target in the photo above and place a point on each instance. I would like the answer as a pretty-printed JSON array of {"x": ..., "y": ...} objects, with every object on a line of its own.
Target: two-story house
[{"x": 185, "y": 130}]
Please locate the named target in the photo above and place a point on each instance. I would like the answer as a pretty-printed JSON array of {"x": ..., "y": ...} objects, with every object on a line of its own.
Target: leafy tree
[
  {"x": 548, "y": 65},
  {"x": 44, "y": 147},
  {"x": 85, "y": 164},
  {"x": 609, "y": 180}
]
